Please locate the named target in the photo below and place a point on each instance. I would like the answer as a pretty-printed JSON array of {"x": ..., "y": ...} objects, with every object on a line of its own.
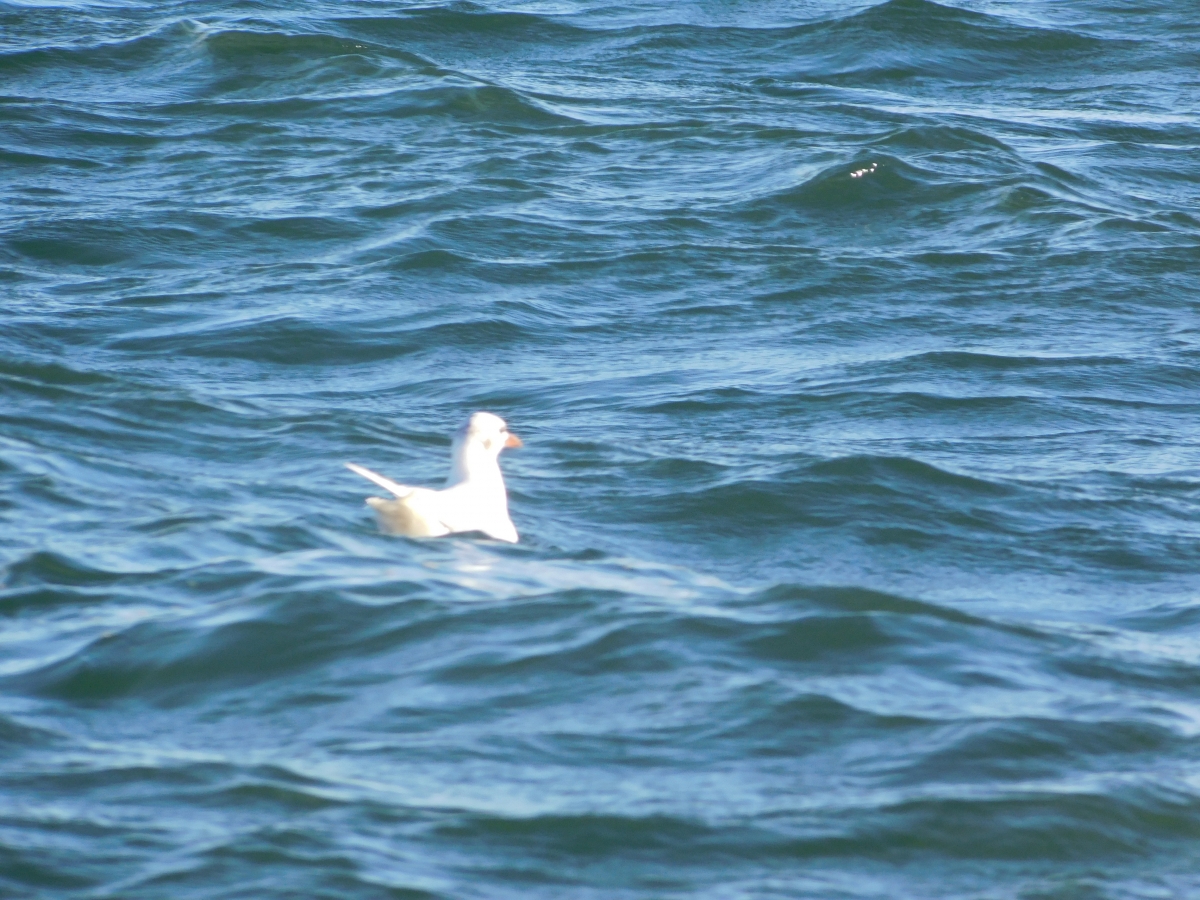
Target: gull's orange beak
[{"x": 514, "y": 441}]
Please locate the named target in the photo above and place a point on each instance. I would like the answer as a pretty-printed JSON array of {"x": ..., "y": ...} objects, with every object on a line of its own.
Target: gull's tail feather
[{"x": 400, "y": 490}]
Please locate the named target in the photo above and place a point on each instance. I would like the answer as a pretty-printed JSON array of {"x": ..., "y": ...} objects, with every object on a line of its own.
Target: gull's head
[{"x": 486, "y": 432}]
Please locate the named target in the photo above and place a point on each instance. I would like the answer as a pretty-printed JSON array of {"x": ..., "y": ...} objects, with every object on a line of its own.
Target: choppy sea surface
[{"x": 856, "y": 350}]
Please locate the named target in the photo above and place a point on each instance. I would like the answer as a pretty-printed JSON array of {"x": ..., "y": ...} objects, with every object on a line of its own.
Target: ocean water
[{"x": 856, "y": 351}]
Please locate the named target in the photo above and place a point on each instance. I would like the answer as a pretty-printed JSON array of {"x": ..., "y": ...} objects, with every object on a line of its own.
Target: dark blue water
[{"x": 856, "y": 350}]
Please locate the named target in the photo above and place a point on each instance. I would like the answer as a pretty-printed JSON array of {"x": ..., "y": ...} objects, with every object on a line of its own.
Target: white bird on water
[{"x": 474, "y": 498}]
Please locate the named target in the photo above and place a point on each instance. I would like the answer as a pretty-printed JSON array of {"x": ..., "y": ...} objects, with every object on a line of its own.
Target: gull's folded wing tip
[{"x": 400, "y": 490}]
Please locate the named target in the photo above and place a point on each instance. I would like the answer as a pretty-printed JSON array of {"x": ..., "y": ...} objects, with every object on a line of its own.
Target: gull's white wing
[
  {"x": 400, "y": 490},
  {"x": 420, "y": 512}
]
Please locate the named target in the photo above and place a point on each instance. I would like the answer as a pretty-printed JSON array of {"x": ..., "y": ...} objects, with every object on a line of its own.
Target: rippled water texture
[{"x": 856, "y": 353}]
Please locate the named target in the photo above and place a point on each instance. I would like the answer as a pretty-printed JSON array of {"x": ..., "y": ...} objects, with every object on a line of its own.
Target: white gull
[{"x": 474, "y": 498}]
